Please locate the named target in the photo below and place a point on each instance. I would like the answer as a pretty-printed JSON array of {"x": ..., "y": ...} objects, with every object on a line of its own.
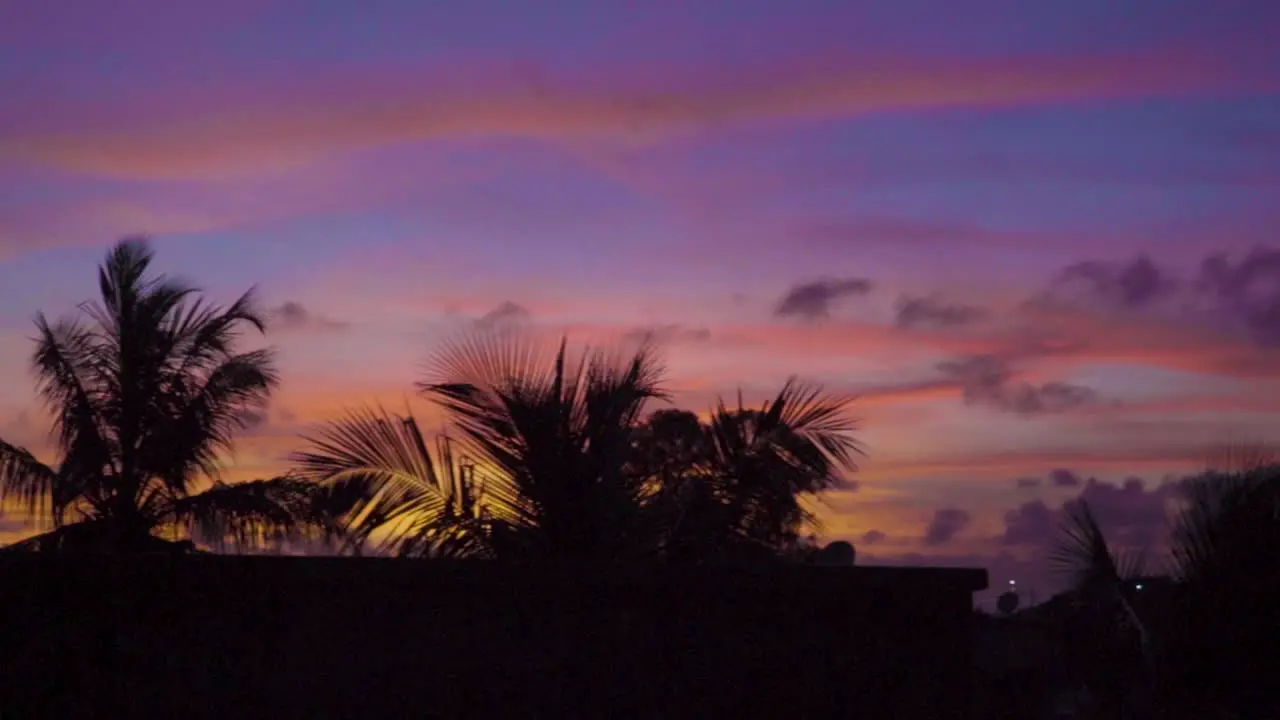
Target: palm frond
[
  {"x": 248, "y": 514},
  {"x": 1229, "y": 528},
  {"x": 203, "y": 419},
  {"x": 26, "y": 481},
  {"x": 1082, "y": 552},
  {"x": 551, "y": 430},
  {"x": 766, "y": 461},
  {"x": 381, "y": 476}
]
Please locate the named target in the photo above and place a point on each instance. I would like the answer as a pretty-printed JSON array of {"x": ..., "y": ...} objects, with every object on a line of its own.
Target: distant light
[
  {"x": 1010, "y": 582},
  {"x": 1138, "y": 586}
]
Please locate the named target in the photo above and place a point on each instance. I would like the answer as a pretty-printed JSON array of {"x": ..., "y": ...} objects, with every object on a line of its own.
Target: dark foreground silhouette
[{"x": 226, "y": 636}]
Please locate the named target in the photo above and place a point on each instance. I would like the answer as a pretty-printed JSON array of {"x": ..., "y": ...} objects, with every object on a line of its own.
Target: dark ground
[{"x": 219, "y": 636}]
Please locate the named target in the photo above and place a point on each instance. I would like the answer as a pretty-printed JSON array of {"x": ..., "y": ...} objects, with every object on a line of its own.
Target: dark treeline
[{"x": 548, "y": 452}]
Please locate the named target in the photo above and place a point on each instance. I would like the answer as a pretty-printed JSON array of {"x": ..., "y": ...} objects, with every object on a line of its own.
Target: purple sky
[{"x": 996, "y": 174}]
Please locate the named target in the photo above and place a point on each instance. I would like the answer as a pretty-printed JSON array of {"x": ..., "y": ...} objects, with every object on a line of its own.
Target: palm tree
[
  {"x": 749, "y": 470},
  {"x": 1204, "y": 655},
  {"x": 545, "y": 434},
  {"x": 147, "y": 391},
  {"x": 1107, "y": 623},
  {"x": 550, "y": 433},
  {"x": 559, "y": 464}
]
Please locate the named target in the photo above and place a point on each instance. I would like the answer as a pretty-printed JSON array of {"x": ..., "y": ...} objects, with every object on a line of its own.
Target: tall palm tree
[{"x": 147, "y": 390}]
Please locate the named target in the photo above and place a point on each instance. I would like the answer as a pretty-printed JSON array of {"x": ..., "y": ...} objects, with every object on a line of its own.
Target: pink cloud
[{"x": 253, "y": 130}]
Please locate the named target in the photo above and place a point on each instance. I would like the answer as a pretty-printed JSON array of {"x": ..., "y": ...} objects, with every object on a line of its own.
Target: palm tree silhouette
[
  {"x": 545, "y": 433},
  {"x": 1204, "y": 653},
  {"x": 145, "y": 396},
  {"x": 740, "y": 479},
  {"x": 559, "y": 464}
]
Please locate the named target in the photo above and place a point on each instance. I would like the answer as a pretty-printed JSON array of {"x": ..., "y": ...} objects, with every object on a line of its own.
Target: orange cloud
[{"x": 335, "y": 114}]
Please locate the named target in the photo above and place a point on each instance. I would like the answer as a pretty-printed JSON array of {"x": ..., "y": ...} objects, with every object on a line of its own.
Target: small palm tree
[
  {"x": 145, "y": 396},
  {"x": 751, "y": 469}
]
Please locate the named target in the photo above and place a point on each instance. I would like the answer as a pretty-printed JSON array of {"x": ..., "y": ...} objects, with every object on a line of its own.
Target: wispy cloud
[
  {"x": 248, "y": 131},
  {"x": 933, "y": 311},
  {"x": 669, "y": 333},
  {"x": 507, "y": 313},
  {"x": 293, "y": 315}
]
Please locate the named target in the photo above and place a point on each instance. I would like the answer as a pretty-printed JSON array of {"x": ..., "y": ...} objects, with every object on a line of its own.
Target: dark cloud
[
  {"x": 988, "y": 380},
  {"x": 1247, "y": 292},
  {"x": 1132, "y": 516},
  {"x": 295, "y": 316},
  {"x": 812, "y": 300},
  {"x": 1129, "y": 514},
  {"x": 1134, "y": 284},
  {"x": 669, "y": 333},
  {"x": 872, "y": 537},
  {"x": 1241, "y": 294},
  {"x": 506, "y": 313},
  {"x": 1061, "y": 477},
  {"x": 945, "y": 525},
  {"x": 1032, "y": 523},
  {"x": 1028, "y": 482},
  {"x": 933, "y": 311}
]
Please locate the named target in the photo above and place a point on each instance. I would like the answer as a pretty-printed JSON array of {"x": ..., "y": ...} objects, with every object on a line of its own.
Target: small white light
[
  {"x": 1138, "y": 586},
  {"x": 1010, "y": 582}
]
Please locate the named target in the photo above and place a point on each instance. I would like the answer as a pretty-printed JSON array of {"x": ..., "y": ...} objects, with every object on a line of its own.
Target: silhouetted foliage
[
  {"x": 382, "y": 477},
  {"x": 734, "y": 486},
  {"x": 1202, "y": 646},
  {"x": 558, "y": 462},
  {"x": 146, "y": 391}
]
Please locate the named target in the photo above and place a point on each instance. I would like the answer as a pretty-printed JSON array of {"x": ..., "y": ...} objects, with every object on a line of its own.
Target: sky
[{"x": 1040, "y": 241}]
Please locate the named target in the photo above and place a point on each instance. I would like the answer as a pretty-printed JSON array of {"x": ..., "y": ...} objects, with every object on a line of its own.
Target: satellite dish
[
  {"x": 836, "y": 554},
  {"x": 1008, "y": 602}
]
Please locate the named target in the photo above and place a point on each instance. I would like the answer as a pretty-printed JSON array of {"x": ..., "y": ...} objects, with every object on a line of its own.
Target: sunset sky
[{"x": 1040, "y": 240}]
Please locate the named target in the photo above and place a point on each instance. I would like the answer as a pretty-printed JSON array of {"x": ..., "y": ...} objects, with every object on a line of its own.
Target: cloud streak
[
  {"x": 933, "y": 311},
  {"x": 292, "y": 315},
  {"x": 252, "y": 130},
  {"x": 813, "y": 300}
]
